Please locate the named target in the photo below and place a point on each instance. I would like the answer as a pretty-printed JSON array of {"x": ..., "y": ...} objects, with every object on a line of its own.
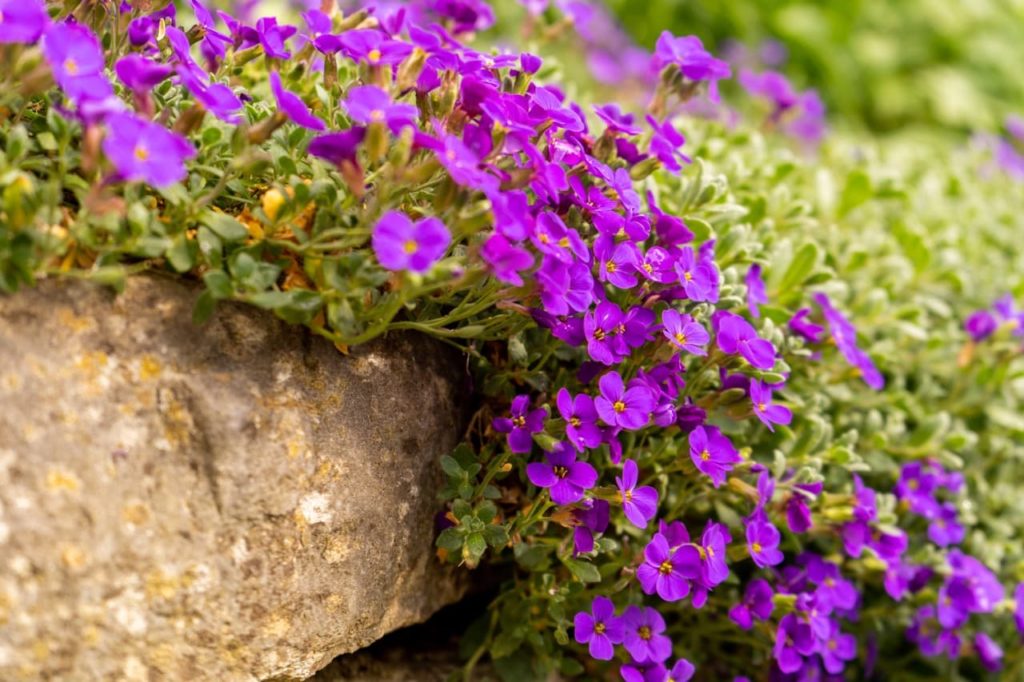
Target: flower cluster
[{"x": 656, "y": 356}]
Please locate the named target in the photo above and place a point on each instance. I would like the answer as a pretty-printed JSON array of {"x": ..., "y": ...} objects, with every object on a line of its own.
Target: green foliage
[{"x": 880, "y": 64}]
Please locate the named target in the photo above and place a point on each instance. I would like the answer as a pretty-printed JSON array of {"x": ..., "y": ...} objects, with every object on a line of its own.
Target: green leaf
[
  {"x": 206, "y": 303},
  {"x": 584, "y": 570},
  {"x": 226, "y": 227},
  {"x": 496, "y": 536},
  {"x": 451, "y": 466},
  {"x": 856, "y": 191},
  {"x": 799, "y": 269},
  {"x": 506, "y": 643},
  {"x": 450, "y": 540}
]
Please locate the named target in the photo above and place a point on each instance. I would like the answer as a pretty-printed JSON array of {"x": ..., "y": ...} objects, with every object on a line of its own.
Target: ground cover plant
[{"x": 750, "y": 392}]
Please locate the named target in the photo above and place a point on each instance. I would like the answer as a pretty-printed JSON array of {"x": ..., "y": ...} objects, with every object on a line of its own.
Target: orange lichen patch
[
  {"x": 67, "y": 317},
  {"x": 149, "y": 368},
  {"x": 73, "y": 557},
  {"x": 57, "y": 480},
  {"x": 135, "y": 513}
]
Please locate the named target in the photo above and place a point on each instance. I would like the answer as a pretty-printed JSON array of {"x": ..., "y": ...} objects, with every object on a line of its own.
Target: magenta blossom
[
  {"x": 77, "y": 61},
  {"x": 683, "y": 332},
  {"x": 566, "y": 478},
  {"x": 667, "y": 571},
  {"x": 580, "y": 417},
  {"x": 757, "y": 603},
  {"x": 521, "y": 426},
  {"x": 292, "y": 105},
  {"x": 764, "y": 409},
  {"x": 599, "y": 629},
  {"x": 401, "y": 244},
  {"x": 643, "y": 636},
  {"x": 505, "y": 259},
  {"x": 763, "y": 542},
  {"x": 712, "y": 453},
  {"x": 736, "y": 336},
  {"x": 22, "y": 21},
  {"x": 369, "y": 104},
  {"x": 638, "y": 504},
  {"x": 144, "y": 151},
  {"x": 627, "y": 408}
]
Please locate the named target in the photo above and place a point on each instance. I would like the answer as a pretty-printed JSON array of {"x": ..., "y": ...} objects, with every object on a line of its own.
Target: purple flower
[
  {"x": 1018, "y": 610},
  {"x": 646, "y": 672},
  {"x": 793, "y": 641},
  {"x": 683, "y": 332},
  {"x": 580, "y": 417},
  {"x": 369, "y": 104},
  {"x": 217, "y": 98},
  {"x": 566, "y": 478},
  {"x": 688, "y": 53},
  {"x": 712, "y": 453},
  {"x": 619, "y": 262},
  {"x": 367, "y": 45},
  {"x": 521, "y": 426},
  {"x": 627, "y": 408},
  {"x": 798, "y": 324},
  {"x": 763, "y": 542},
  {"x": 980, "y": 325},
  {"x": 756, "y": 293},
  {"x": 601, "y": 327},
  {"x": 768, "y": 412},
  {"x": 272, "y": 37},
  {"x": 599, "y": 628},
  {"x": 665, "y": 144},
  {"x": 643, "y": 639},
  {"x": 736, "y": 336},
  {"x": 682, "y": 671},
  {"x": 769, "y": 85},
  {"x": 714, "y": 569},
  {"x": 506, "y": 260},
  {"x": 834, "y": 591},
  {"x": 146, "y": 151},
  {"x": 401, "y": 244},
  {"x": 22, "y": 21},
  {"x": 338, "y": 148},
  {"x": 757, "y": 603},
  {"x": 698, "y": 278},
  {"x": 989, "y": 652},
  {"x": 845, "y": 336},
  {"x": 638, "y": 504},
  {"x": 592, "y": 518},
  {"x": 565, "y": 288},
  {"x": 668, "y": 571},
  {"x": 76, "y": 59},
  {"x": 944, "y": 530},
  {"x": 140, "y": 75},
  {"x": 292, "y": 105},
  {"x": 617, "y": 121},
  {"x": 837, "y": 649}
]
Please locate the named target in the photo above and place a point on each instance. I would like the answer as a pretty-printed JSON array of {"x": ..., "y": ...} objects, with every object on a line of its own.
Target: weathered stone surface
[{"x": 229, "y": 502}]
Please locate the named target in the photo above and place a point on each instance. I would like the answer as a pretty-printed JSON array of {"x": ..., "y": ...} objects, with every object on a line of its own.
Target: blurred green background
[{"x": 954, "y": 65}]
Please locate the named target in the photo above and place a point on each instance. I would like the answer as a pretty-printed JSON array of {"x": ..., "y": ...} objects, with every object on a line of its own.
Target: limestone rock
[{"x": 235, "y": 501}]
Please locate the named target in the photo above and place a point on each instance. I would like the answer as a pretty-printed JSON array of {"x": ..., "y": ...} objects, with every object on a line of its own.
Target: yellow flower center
[
  {"x": 599, "y": 628},
  {"x": 626, "y": 496},
  {"x": 756, "y": 547},
  {"x": 644, "y": 632},
  {"x": 563, "y": 242},
  {"x": 648, "y": 268},
  {"x": 688, "y": 276},
  {"x": 610, "y": 266},
  {"x": 374, "y": 55},
  {"x": 575, "y": 421},
  {"x": 376, "y": 115},
  {"x": 705, "y": 455},
  {"x": 913, "y": 484},
  {"x": 619, "y": 406},
  {"x": 598, "y": 333},
  {"x": 665, "y": 568},
  {"x": 681, "y": 338},
  {"x": 561, "y": 471},
  {"x": 410, "y": 246},
  {"x": 519, "y": 422},
  {"x": 761, "y": 407},
  {"x": 711, "y": 552},
  {"x": 832, "y": 644},
  {"x": 71, "y": 66},
  {"x": 141, "y": 153}
]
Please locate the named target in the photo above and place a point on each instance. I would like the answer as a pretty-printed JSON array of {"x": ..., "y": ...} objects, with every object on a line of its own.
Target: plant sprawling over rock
[{"x": 748, "y": 408}]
